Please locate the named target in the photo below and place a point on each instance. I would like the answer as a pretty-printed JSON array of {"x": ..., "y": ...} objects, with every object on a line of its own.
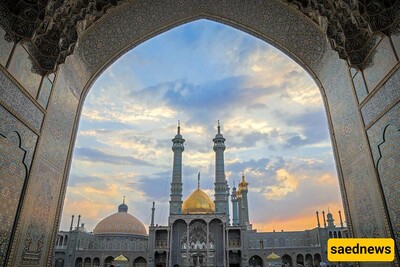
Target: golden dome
[
  {"x": 198, "y": 203},
  {"x": 120, "y": 223},
  {"x": 121, "y": 258},
  {"x": 273, "y": 256}
]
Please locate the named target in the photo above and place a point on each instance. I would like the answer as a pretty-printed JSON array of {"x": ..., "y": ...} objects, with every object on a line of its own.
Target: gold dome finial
[{"x": 198, "y": 202}]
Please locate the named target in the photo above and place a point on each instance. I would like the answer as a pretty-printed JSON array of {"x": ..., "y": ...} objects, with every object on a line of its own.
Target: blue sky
[{"x": 271, "y": 114}]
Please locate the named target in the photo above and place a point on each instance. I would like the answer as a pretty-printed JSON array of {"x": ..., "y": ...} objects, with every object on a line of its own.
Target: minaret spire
[
  {"x": 235, "y": 218},
  {"x": 220, "y": 184},
  {"x": 123, "y": 201},
  {"x": 175, "y": 206},
  {"x": 198, "y": 181},
  {"x": 152, "y": 214},
  {"x": 244, "y": 213}
]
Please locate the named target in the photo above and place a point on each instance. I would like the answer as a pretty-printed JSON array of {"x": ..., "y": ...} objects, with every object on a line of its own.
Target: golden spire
[{"x": 243, "y": 184}]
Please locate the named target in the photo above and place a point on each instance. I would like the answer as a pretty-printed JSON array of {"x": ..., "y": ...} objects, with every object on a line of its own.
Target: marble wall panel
[
  {"x": 383, "y": 60},
  {"x": 17, "y": 146},
  {"x": 5, "y": 48},
  {"x": 21, "y": 66},
  {"x": 13, "y": 98},
  {"x": 387, "y": 95}
]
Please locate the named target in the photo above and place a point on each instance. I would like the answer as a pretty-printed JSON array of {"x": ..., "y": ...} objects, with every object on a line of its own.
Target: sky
[{"x": 271, "y": 114}]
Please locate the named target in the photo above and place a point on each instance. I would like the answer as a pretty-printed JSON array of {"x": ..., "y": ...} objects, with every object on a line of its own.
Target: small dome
[
  {"x": 198, "y": 203},
  {"x": 120, "y": 223},
  {"x": 123, "y": 208},
  {"x": 273, "y": 256}
]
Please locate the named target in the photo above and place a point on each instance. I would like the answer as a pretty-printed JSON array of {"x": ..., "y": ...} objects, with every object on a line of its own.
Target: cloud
[{"x": 95, "y": 155}]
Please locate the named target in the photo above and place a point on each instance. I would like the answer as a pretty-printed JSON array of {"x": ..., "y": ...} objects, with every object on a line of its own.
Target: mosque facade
[{"x": 200, "y": 231}]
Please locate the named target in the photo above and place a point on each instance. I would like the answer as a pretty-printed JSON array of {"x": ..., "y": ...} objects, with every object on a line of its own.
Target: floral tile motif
[
  {"x": 13, "y": 174},
  {"x": 13, "y": 97},
  {"x": 388, "y": 94}
]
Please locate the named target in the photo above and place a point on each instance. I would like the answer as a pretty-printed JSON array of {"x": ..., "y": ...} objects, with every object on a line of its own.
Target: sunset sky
[{"x": 271, "y": 114}]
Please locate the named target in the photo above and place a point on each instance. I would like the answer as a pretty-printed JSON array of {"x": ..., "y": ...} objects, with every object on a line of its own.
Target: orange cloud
[
  {"x": 299, "y": 223},
  {"x": 287, "y": 183}
]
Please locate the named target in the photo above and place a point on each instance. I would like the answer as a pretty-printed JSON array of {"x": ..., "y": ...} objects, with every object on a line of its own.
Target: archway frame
[{"x": 75, "y": 77}]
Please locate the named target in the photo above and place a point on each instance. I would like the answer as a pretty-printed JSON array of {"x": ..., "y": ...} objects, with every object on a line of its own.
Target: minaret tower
[
  {"x": 235, "y": 218},
  {"x": 220, "y": 187},
  {"x": 175, "y": 203},
  {"x": 243, "y": 189}
]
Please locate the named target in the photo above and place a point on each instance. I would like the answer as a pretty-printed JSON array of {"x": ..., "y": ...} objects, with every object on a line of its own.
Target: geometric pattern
[
  {"x": 389, "y": 171},
  {"x": 12, "y": 178}
]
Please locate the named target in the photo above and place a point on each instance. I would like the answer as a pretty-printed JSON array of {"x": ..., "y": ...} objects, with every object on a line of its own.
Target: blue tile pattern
[
  {"x": 388, "y": 94},
  {"x": 14, "y": 98}
]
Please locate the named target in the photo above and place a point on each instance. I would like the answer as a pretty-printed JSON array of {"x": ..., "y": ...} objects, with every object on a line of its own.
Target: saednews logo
[{"x": 361, "y": 249}]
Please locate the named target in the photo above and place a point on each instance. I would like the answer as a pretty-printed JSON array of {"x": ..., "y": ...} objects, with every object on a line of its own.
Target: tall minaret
[
  {"x": 243, "y": 188},
  {"x": 235, "y": 219},
  {"x": 220, "y": 187},
  {"x": 175, "y": 203}
]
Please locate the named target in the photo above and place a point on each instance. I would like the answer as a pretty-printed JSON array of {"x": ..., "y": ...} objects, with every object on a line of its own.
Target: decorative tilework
[
  {"x": 40, "y": 210},
  {"x": 21, "y": 68},
  {"x": 57, "y": 129},
  {"x": 389, "y": 172},
  {"x": 353, "y": 72},
  {"x": 364, "y": 208},
  {"x": 396, "y": 43},
  {"x": 383, "y": 61},
  {"x": 5, "y": 48},
  {"x": 388, "y": 94},
  {"x": 382, "y": 137},
  {"x": 28, "y": 138},
  {"x": 44, "y": 93},
  {"x": 13, "y": 173},
  {"x": 17, "y": 146},
  {"x": 20, "y": 103},
  {"x": 375, "y": 132},
  {"x": 134, "y": 22},
  {"x": 359, "y": 86},
  {"x": 352, "y": 147}
]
